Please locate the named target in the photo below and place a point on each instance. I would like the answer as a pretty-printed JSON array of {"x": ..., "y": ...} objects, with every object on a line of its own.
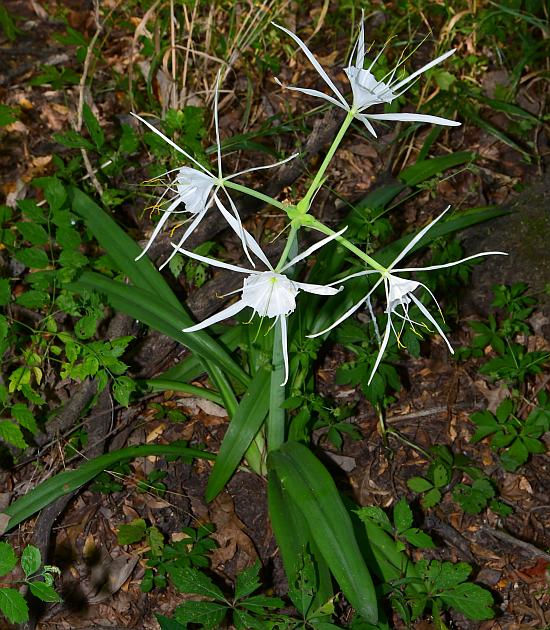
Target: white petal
[
  {"x": 383, "y": 346},
  {"x": 417, "y": 238},
  {"x": 234, "y": 222},
  {"x": 259, "y": 168},
  {"x": 242, "y": 233},
  {"x": 348, "y": 313},
  {"x": 315, "y": 93},
  {"x": 451, "y": 264},
  {"x": 313, "y": 248},
  {"x": 159, "y": 226},
  {"x": 212, "y": 261},
  {"x": 198, "y": 218},
  {"x": 284, "y": 344},
  {"x": 431, "y": 319},
  {"x": 172, "y": 143},
  {"x": 318, "y": 289},
  {"x": 398, "y": 291},
  {"x": 424, "y": 69},
  {"x": 315, "y": 64},
  {"x": 218, "y": 317},
  {"x": 360, "y": 59},
  {"x": 358, "y": 274},
  {"x": 217, "y": 126},
  {"x": 363, "y": 118},
  {"x": 436, "y": 120},
  {"x": 194, "y": 189}
]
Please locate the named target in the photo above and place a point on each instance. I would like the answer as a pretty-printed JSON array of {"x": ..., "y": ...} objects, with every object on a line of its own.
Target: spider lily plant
[
  {"x": 268, "y": 293},
  {"x": 400, "y": 294},
  {"x": 197, "y": 189},
  {"x": 367, "y": 91}
]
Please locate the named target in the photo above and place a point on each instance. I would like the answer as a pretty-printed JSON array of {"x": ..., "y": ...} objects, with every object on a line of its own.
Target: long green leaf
[
  {"x": 69, "y": 480},
  {"x": 122, "y": 249},
  {"x": 191, "y": 367},
  {"x": 164, "y": 384},
  {"x": 457, "y": 223},
  {"x": 294, "y": 540},
  {"x": 469, "y": 113},
  {"x": 147, "y": 308},
  {"x": 310, "y": 487},
  {"x": 244, "y": 425},
  {"x": 425, "y": 169}
]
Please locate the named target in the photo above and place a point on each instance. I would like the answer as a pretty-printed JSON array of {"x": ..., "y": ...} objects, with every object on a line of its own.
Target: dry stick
[
  {"x": 175, "y": 103},
  {"x": 530, "y": 549},
  {"x": 137, "y": 33},
  {"x": 81, "y": 87},
  {"x": 189, "y": 48}
]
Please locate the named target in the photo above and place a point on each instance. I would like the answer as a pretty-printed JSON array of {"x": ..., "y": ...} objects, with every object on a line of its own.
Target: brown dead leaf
[
  {"x": 55, "y": 116},
  {"x": 155, "y": 433},
  {"x": 24, "y": 103},
  {"x": 494, "y": 396},
  {"x": 117, "y": 572},
  {"x": 230, "y": 535},
  {"x": 515, "y": 488},
  {"x": 17, "y": 127},
  {"x": 201, "y": 404}
]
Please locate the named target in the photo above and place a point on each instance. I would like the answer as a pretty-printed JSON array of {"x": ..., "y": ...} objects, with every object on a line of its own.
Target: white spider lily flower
[
  {"x": 366, "y": 89},
  {"x": 268, "y": 293},
  {"x": 400, "y": 294},
  {"x": 197, "y": 188}
]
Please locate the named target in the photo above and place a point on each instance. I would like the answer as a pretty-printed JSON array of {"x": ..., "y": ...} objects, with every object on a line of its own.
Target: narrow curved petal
[
  {"x": 436, "y": 120},
  {"x": 218, "y": 317},
  {"x": 198, "y": 218},
  {"x": 313, "y": 248},
  {"x": 159, "y": 226},
  {"x": 364, "y": 119},
  {"x": 315, "y": 93},
  {"x": 284, "y": 344},
  {"x": 172, "y": 143},
  {"x": 417, "y": 238},
  {"x": 431, "y": 319},
  {"x": 236, "y": 222},
  {"x": 425, "y": 68},
  {"x": 358, "y": 274},
  {"x": 318, "y": 289},
  {"x": 383, "y": 346},
  {"x": 259, "y": 168},
  {"x": 247, "y": 239},
  {"x": 315, "y": 64},
  {"x": 451, "y": 264},
  {"x": 212, "y": 261},
  {"x": 348, "y": 313},
  {"x": 360, "y": 58},
  {"x": 217, "y": 126}
]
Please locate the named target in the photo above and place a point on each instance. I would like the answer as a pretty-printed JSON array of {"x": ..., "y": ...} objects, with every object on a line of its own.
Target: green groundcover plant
[{"x": 284, "y": 309}]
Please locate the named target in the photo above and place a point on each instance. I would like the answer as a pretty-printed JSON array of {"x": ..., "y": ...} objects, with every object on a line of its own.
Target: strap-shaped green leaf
[
  {"x": 294, "y": 540},
  {"x": 122, "y": 249},
  {"x": 244, "y": 425},
  {"x": 426, "y": 169},
  {"x": 162, "y": 316},
  {"x": 69, "y": 480},
  {"x": 310, "y": 487}
]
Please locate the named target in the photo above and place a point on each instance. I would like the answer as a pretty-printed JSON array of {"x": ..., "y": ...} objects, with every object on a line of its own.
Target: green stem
[
  {"x": 276, "y": 415},
  {"x": 254, "y": 193},
  {"x": 164, "y": 384},
  {"x": 288, "y": 246},
  {"x": 321, "y": 227},
  {"x": 317, "y": 180}
]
